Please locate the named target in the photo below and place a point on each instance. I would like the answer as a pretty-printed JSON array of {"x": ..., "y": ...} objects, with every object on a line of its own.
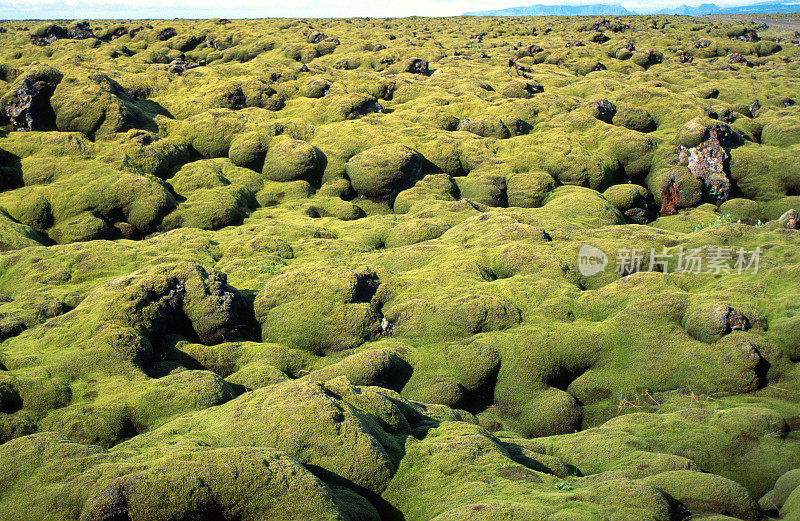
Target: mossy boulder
[
  {"x": 706, "y": 493},
  {"x": 453, "y": 317},
  {"x": 415, "y": 231},
  {"x": 381, "y": 172},
  {"x": 772, "y": 502},
  {"x": 176, "y": 394},
  {"x": 386, "y": 367},
  {"x": 199, "y": 481},
  {"x": 82, "y": 227},
  {"x": 439, "y": 187},
  {"x": 550, "y": 412},
  {"x": 249, "y": 149},
  {"x": 290, "y": 159},
  {"x": 26, "y": 104},
  {"x": 781, "y": 132},
  {"x": 487, "y": 126},
  {"x": 272, "y": 193},
  {"x": 484, "y": 188},
  {"x": 316, "y": 88},
  {"x": 520, "y": 89},
  {"x": 626, "y": 196},
  {"x": 96, "y": 106},
  {"x": 212, "y": 208},
  {"x": 14, "y": 235},
  {"x": 185, "y": 298},
  {"x": 319, "y": 310},
  {"x": 147, "y": 154},
  {"x": 710, "y": 323},
  {"x": 528, "y": 189}
]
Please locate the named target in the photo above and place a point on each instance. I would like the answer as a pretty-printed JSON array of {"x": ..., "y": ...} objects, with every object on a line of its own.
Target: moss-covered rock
[
  {"x": 705, "y": 493},
  {"x": 529, "y": 189},
  {"x": 292, "y": 160},
  {"x": 382, "y": 172},
  {"x": 319, "y": 310}
]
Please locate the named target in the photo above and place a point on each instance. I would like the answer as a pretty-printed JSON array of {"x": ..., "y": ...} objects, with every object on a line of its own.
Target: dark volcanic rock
[
  {"x": 29, "y": 106},
  {"x": 418, "y": 66},
  {"x": 605, "y": 110},
  {"x": 736, "y": 57},
  {"x": 81, "y": 31},
  {"x": 166, "y": 34},
  {"x": 48, "y": 35}
]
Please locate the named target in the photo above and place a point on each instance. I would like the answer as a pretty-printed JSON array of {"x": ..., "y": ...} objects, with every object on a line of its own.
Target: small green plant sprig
[{"x": 725, "y": 218}]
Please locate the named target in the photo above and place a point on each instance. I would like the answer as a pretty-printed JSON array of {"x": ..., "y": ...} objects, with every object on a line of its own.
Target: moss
[
  {"x": 256, "y": 375},
  {"x": 677, "y": 179},
  {"x": 212, "y": 208},
  {"x": 282, "y": 413},
  {"x": 249, "y": 149},
  {"x": 760, "y": 179},
  {"x": 198, "y": 479},
  {"x": 742, "y": 209},
  {"x": 774, "y": 500},
  {"x": 791, "y": 508},
  {"x": 176, "y": 394},
  {"x": 291, "y": 309},
  {"x": 625, "y": 197},
  {"x": 96, "y": 107},
  {"x": 316, "y": 88},
  {"x": 520, "y": 89},
  {"x": 415, "y": 231},
  {"x": 15, "y": 235},
  {"x": 439, "y": 187},
  {"x": 549, "y": 412},
  {"x": 292, "y": 160},
  {"x": 528, "y": 190},
  {"x": 146, "y": 154},
  {"x": 212, "y": 132},
  {"x": 15, "y": 425},
  {"x": 274, "y": 193},
  {"x": 634, "y": 494},
  {"x": 467, "y": 291},
  {"x": 781, "y": 132},
  {"x": 385, "y": 367},
  {"x": 40, "y": 81},
  {"x": 82, "y": 227},
  {"x": 350, "y": 106},
  {"x": 704, "y": 493},
  {"x": 381, "y": 172},
  {"x": 487, "y": 189},
  {"x": 476, "y": 314},
  {"x": 488, "y": 126}
]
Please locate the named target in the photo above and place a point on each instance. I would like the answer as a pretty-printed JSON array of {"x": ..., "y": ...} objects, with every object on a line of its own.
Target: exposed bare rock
[{"x": 708, "y": 161}]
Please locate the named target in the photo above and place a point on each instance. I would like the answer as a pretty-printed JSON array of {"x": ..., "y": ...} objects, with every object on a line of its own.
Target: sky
[{"x": 55, "y": 9}]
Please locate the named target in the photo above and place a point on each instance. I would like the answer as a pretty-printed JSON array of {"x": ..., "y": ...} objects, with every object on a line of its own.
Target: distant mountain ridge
[{"x": 619, "y": 10}]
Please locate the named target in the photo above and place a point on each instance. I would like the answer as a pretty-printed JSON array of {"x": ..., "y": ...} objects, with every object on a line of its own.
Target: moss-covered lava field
[{"x": 399, "y": 269}]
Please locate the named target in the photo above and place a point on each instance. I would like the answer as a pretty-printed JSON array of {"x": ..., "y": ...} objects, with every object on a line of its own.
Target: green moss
[
  {"x": 14, "y": 235},
  {"x": 320, "y": 310},
  {"x": 381, "y": 172},
  {"x": 488, "y": 126},
  {"x": 781, "y": 132},
  {"x": 520, "y": 89},
  {"x": 774, "y": 500},
  {"x": 704, "y": 493},
  {"x": 292, "y": 160},
  {"x": 249, "y": 149},
  {"x": 484, "y": 188},
  {"x": 82, "y": 227}
]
